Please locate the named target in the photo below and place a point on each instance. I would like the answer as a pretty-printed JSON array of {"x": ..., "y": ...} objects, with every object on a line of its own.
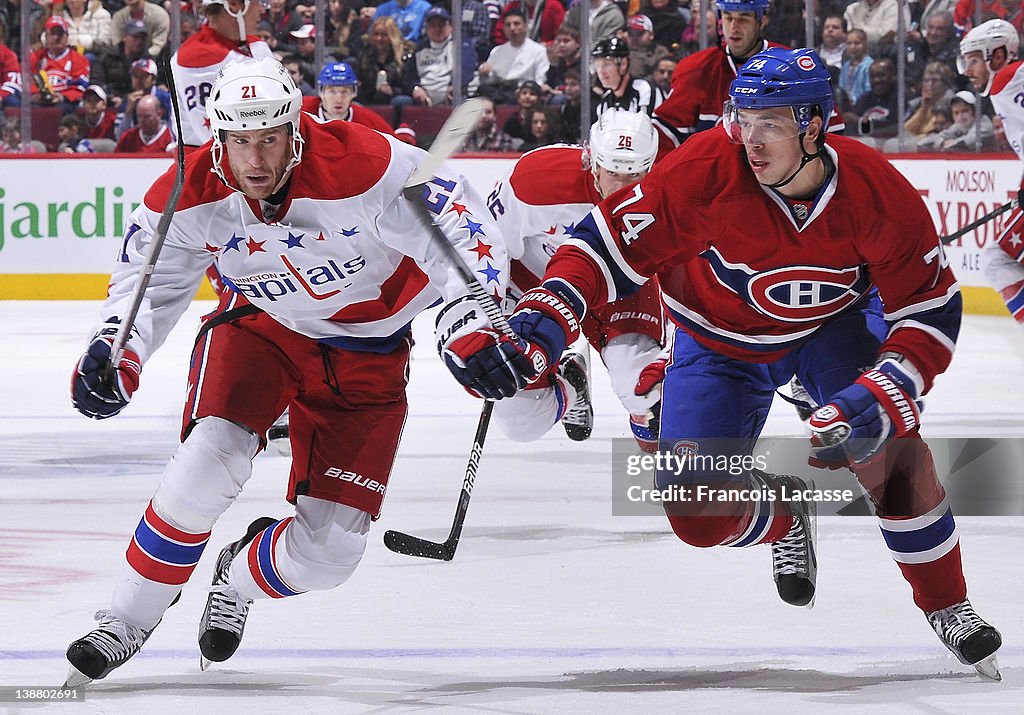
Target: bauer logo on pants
[{"x": 358, "y": 479}]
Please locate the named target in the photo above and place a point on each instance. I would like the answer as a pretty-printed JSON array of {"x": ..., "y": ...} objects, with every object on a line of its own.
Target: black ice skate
[
  {"x": 807, "y": 405},
  {"x": 971, "y": 640},
  {"x": 107, "y": 647},
  {"x": 223, "y": 621},
  {"x": 578, "y": 420},
  {"x": 278, "y": 436},
  {"x": 794, "y": 561}
]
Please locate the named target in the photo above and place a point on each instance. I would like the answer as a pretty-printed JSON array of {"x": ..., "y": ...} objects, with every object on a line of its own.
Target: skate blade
[
  {"x": 204, "y": 663},
  {"x": 75, "y": 678},
  {"x": 989, "y": 668}
]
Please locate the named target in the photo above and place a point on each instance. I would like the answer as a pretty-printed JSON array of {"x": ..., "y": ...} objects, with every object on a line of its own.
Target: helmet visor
[{"x": 759, "y": 126}]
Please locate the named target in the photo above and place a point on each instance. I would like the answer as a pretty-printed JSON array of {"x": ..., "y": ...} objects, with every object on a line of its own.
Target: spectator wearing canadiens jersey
[
  {"x": 10, "y": 73},
  {"x": 228, "y": 36},
  {"x": 730, "y": 224},
  {"x": 60, "y": 74},
  {"x": 99, "y": 121},
  {"x": 327, "y": 278}
]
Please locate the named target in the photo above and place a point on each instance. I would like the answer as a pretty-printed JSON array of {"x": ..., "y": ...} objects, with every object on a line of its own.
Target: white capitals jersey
[
  {"x": 1006, "y": 91},
  {"x": 536, "y": 207},
  {"x": 195, "y": 66},
  {"x": 343, "y": 260}
]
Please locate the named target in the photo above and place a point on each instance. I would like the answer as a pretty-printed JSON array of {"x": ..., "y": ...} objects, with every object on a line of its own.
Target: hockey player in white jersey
[
  {"x": 328, "y": 273},
  {"x": 536, "y": 206},
  {"x": 988, "y": 56},
  {"x": 228, "y": 36}
]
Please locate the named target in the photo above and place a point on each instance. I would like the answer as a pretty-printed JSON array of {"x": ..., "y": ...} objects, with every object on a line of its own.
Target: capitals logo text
[{"x": 319, "y": 282}]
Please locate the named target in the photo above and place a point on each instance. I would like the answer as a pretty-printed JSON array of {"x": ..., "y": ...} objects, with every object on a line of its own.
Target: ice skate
[
  {"x": 794, "y": 561},
  {"x": 109, "y": 646},
  {"x": 223, "y": 621},
  {"x": 279, "y": 436},
  {"x": 968, "y": 637},
  {"x": 646, "y": 429},
  {"x": 578, "y": 420}
]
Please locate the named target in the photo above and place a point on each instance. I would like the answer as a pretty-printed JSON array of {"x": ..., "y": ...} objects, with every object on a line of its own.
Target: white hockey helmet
[
  {"x": 624, "y": 142},
  {"x": 253, "y": 94},
  {"x": 988, "y": 37}
]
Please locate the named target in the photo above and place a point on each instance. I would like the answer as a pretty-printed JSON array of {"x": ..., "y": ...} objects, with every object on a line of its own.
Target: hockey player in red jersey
[
  {"x": 768, "y": 242},
  {"x": 228, "y": 36},
  {"x": 328, "y": 273},
  {"x": 989, "y": 58},
  {"x": 337, "y": 87},
  {"x": 536, "y": 206}
]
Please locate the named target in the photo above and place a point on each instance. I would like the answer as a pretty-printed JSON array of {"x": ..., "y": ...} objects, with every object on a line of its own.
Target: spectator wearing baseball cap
[
  {"x": 153, "y": 17},
  {"x": 644, "y": 52},
  {"x": 99, "y": 120},
  {"x": 406, "y": 133},
  {"x": 407, "y": 14},
  {"x": 305, "y": 42},
  {"x": 62, "y": 73},
  {"x": 113, "y": 67},
  {"x": 144, "y": 84},
  {"x": 427, "y": 76}
]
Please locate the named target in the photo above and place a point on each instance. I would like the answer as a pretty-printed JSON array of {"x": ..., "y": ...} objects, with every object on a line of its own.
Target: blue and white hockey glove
[
  {"x": 881, "y": 405},
  {"x": 91, "y": 394}
]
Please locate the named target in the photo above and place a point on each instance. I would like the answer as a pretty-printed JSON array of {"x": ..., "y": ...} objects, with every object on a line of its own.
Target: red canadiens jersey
[
  {"x": 195, "y": 66},
  {"x": 700, "y": 86},
  {"x": 103, "y": 129},
  {"x": 67, "y": 75},
  {"x": 743, "y": 275},
  {"x": 132, "y": 142},
  {"x": 10, "y": 73},
  {"x": 356, "y": 113}
]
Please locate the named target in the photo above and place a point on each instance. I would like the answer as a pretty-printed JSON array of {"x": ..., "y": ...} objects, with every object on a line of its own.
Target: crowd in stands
[{"x": 100, "y": 62}]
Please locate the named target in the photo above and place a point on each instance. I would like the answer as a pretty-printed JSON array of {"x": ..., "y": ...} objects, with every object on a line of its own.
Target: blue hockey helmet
[
  {"x": 337, "y": 74},
  {"x": 778, "y": 77},
  {"x": 758, "y": 7}
]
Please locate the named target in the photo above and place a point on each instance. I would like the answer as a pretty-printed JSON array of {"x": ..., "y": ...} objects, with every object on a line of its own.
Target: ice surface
[{"x": 551, "y": 604}]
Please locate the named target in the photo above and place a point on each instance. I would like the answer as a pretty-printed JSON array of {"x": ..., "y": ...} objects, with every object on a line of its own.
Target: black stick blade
[{"x": 413, "y": 546}]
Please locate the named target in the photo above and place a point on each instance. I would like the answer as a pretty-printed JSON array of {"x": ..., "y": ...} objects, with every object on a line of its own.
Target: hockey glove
[
  {"x": 856, "y": 424},
  {"x": 93, "y": 392},
  {"x": 650, "y": 379},
  {"x": 646, "y": 427}
]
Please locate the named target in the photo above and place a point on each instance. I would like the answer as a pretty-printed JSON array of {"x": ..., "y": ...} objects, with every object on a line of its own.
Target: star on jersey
[
  {"x": 232, "y": 243},
  {"x": 293, "y": 241},
  {"x": 1015, "y": 239},
  {"x": 255, "y": 246},
  {"x": 473, "y": 227},
  {"x": 550, "y": 230},
  {"x": 569, "y": 228},
  {"x": 482, "y": 250},
  {"x": 321, "y": 237},
  {"x": 349, "y": 232},
  {"x": 211, "y": 249},
  {"x": 491, "y": 273},
  {"x": 459, "y": 208}
]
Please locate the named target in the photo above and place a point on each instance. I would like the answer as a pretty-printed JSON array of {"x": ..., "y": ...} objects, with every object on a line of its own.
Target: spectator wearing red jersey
[
  {"x": 99, "y": 121},
  {"x": 10, "y": 73},
  {"x": 60, "y": 74},
  {"x": 150, "y": 135}
]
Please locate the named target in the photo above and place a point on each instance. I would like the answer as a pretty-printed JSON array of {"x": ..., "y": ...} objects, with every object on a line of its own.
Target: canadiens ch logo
[{"x": 793, "y": 294}]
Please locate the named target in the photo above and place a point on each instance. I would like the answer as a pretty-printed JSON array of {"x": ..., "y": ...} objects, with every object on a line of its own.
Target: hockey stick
[
  {"x": 146, "y": 271},
  {"x": 452, "y": 134},
  {"x": 1008, "y": 206}
]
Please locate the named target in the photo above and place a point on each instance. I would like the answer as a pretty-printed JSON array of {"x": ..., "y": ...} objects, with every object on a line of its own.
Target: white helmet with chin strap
[
  {"x": 239, "y": 16},
  {"x": 622, "y": 141},
  {"x": 253, "y": 94},
  {"x": 986, "y": 38}
]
